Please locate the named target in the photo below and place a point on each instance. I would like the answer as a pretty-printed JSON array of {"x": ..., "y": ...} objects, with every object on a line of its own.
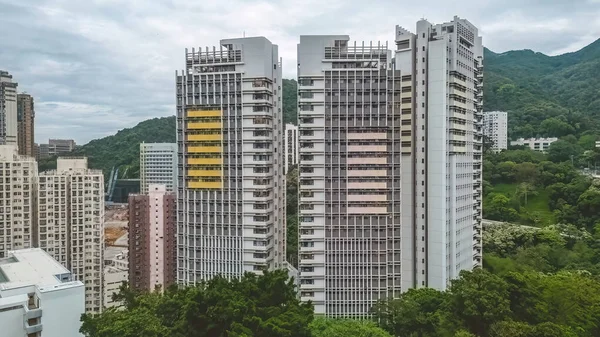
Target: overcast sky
[{"x": 97, "y": 66}]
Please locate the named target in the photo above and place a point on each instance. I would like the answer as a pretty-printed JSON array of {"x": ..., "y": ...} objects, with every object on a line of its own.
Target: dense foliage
[
  {"x": 544, "y": 95},
  {"x": 292, "y": 216},
  {"x": 290, "y": 101},
  {"x": 527, "y": 187},
  {"x": 122, "y": 149},
  {"x": 260, "y": 306},
  {"x": 482, "y": 304}
]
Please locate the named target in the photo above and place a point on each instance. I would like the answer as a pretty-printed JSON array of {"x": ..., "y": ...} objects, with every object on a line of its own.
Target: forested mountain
[
  {"x": 534, "y": 87},
  {"x": 123, "y": 148}
]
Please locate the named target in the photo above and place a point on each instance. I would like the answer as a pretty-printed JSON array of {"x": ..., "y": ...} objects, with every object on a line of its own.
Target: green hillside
[
  {"x": 534, "y": 87},
  {"x": 123, "y": 148}
]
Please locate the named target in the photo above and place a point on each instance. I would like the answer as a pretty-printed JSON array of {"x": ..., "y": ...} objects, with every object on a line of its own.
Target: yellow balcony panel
[
  {"x": 202, "y": 126},
  {"x": 204, "y": 149},
  {"x": 205, "y": 173},
  {"x": 204, "y": 113},
  {"x": 204, "y": 137},
  {"x": 204, "y": 161},
  {"x": 205, "y": 184}
]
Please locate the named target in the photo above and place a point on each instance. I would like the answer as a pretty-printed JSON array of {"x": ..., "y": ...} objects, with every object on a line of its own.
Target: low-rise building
[
  {"x": 536, "y": 144},
  {"x": 116, "y": 272},
  {"x": 38, "y": 296}
]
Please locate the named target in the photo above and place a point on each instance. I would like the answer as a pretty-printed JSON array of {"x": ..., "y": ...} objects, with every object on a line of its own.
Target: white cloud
[{"x": 101, "y": 65}]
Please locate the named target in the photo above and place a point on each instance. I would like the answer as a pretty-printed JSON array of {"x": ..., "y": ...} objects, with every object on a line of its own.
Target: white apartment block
[
  {"x": 390, "y": 164},
  {"x": 349, "y": 174},
  {"x": 8, "y": 109},
  {"x": 535, "y": 144},
  {"x": 70, "y": 207},
  {"x": 291, "y": 146},
  {"x": 495, "y": 127},
  {"x": 116, "y": 272},
  {"x": 231, "y": 186},
  {"x": 158, "y": 165},
  {"x": 17, "y": 200},
  {"x": 441, "y": 171},
  {"x": 38, "y": 296}
]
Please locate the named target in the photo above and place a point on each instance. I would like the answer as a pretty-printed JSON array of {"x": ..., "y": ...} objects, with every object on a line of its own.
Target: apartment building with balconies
[
  {"x": 495, "y": 127},
  {"x": 441, "y": 163},
  {"x": 70, "y": 223},
  {"x": 349, "y": 99},
  {"x": 158, "y": 165},
  {"x": 152, "y": 242},
  {"x": 230, "y": 140},
  {"x": 38, "y": 296},
  {"x": 535, "y": 144},
  {"x": 17, "y": 200},
  {"x": 25, "y": 125},
  {"x": 8, "y": 109},
  {"x": 291, "y": 146}
]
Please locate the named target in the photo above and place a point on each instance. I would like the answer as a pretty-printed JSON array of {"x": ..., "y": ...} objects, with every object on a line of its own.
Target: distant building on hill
[
  {"x": 56, "y": 147},
  {"x": 158, "y": 165},
  {"x": 291, "y": 146},
  {"x": 536, "y": 144},
  {"x": 495, "y": 127}
]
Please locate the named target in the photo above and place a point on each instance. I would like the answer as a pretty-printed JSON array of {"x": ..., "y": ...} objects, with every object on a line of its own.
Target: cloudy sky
[{"x": 97, "y": 66}]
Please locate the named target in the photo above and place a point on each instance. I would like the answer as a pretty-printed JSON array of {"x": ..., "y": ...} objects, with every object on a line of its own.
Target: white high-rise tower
[{"x": 231, "y": 185}]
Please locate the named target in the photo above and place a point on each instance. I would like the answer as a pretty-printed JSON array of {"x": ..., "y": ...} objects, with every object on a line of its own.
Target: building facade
[
  {"x": 56, "y": 147},
  {"x": 70, "y": 205},
  {"x": 441, "y": 160},
  {"x": 25, "y": 125},
  {"x": 231, "y": 186},
  {"x": 390, "y": 164},
  {"x": 38, "y": 296},
  {"x": 17, "y": 200},
  {"x": 152, "y": 239},
  {"x": 158, "y": 165},
  {"x": 535, "y": 144},
  {"x": 116, "y": 272},
  {"x": 349, "y": 174},
  {"x": 8, "y": 109},
  {"x": 291, "y": 146},
  {"x": 495, "y": 127}
]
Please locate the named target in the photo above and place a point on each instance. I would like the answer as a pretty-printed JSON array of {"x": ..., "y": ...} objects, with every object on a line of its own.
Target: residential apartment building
[
  {"x": 495, "y": 127},
  {"x": 291, "y": 146},
  {"x": 442, "y": 158},
  {"x": 56, "y": 147},
  {"x": 349, "y": 174},
  {"x": 535, "y": 144},
  {"x": 231, "y": 186},
  {"x": 17, "y": 200},
  {"x": 25, "y": 125},
  {"x": 8, "y": 109},
  {"x": 158, "y": 165},
  {"x": 70, "y": 206},
  {"x": 152, "y": 240},
  {"x": 390, "y": 164},
  {"x": 116, "y": 272},
  {"x": 38, "y": 296}
]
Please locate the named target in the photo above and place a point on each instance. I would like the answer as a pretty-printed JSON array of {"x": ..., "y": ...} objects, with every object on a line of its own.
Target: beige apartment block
[
  {"x": 17, "y": 197},
  {"x": 71, "y": 223}
]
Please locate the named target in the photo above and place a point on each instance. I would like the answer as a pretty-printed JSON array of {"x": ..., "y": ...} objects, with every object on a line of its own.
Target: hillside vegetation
[{"x": 544, "y": 95}]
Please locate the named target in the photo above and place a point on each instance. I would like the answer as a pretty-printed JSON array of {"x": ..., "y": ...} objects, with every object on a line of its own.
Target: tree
[
  {"x": 554, "y": 127},
  {"x": 322, "y": 327},
  {"x": 479, "y": 299},
  {"x": 525, "y": 190},
  {"x": 414, "y": 313},
  {"x": 498, "y": 208},
  {"x": 253, "y": 305},
  {"x": 562, "y": 150}
]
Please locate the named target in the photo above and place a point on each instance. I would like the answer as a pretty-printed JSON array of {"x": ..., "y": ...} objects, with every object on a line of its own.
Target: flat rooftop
[{"x": 33, "y": 266}]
